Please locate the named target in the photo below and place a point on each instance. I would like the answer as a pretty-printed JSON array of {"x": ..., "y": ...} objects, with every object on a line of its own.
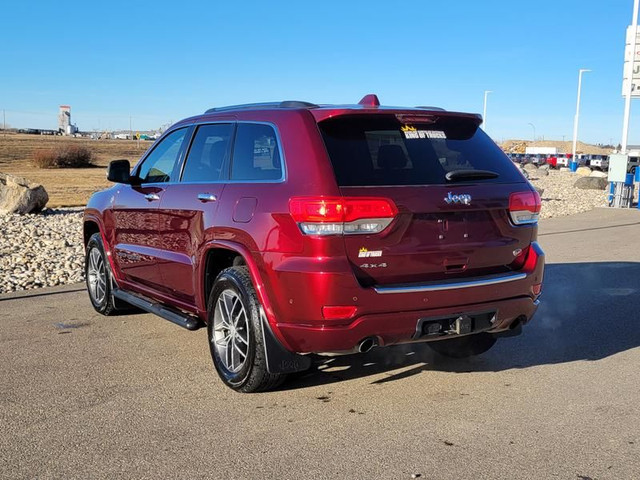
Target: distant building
[
  {"x": 541, "y": 150},
  {"x": 65, "y": 127}
]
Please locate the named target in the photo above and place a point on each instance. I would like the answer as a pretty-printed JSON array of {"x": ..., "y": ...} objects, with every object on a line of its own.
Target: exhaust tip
[{"x": 367, "y": 344}]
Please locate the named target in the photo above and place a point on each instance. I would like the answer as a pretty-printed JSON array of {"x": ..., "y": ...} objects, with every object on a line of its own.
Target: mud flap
[{"x": 279, "y": 359}]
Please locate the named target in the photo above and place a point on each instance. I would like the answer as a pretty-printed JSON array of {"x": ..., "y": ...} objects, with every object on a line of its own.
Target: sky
[{"x": 156, "y": 62}]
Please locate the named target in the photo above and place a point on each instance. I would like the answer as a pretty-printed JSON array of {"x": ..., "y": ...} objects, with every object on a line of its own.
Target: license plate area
[{"x": 459, "y": 324}]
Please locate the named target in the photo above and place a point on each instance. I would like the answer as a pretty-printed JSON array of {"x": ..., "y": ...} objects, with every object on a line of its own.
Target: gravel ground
[
  {"x": 41, "y": 250},
  {"x": 46, "y": 250},
  {"x": 560, "y": 198}
]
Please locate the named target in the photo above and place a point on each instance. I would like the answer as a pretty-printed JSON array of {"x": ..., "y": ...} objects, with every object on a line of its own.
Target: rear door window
[
  {"x": 256, "y": 153},
  {"x": 208, "y": 153},
  {"x": 384, "y": 150}
]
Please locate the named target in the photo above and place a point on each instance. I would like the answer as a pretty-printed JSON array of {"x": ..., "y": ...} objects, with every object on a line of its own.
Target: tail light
[
  {"x": 524, "y": 207},
  {"x": 338, "y": 313},
  {"x": 342, "y": 215}
]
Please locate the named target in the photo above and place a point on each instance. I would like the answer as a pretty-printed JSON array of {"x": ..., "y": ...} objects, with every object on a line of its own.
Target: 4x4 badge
[{"x": 463, "y": 198}]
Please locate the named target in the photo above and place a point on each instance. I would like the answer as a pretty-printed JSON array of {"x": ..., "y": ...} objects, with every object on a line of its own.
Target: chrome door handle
[
  {"x": 151, "y": 197},
  {"x": 207, "y": 197}
]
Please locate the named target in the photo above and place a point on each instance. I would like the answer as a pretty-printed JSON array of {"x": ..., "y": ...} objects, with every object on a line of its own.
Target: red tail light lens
[
  {"x": 524, "y": 207},
  {"x": 337, "y": 215},
  {"x": 338, "y": 313}
]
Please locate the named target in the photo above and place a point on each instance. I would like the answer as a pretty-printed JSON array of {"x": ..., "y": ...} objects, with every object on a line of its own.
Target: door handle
[
  {"x": 207, "y": 197},
  {"x": 151, "y": 197}
]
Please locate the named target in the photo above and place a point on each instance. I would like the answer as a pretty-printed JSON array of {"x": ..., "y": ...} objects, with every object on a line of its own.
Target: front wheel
[
  {"x": 464, "y": 347},
  {"x": 98, "y": 277},
  {"x": 235, "y": 333}
]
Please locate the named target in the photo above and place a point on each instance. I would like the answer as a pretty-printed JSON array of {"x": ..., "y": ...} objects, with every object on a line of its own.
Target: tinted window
[
  {"x": 382, "y": 150},
  {"x": 158, "y": 166},
  {"x": 207, "y": 153},
  {"x": 256, "y": 155}
]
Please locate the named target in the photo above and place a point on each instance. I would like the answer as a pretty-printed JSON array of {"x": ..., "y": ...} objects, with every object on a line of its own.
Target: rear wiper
[{"x": 456, "y": 175}]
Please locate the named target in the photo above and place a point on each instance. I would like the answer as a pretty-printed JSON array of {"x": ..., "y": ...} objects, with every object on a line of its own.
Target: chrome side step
[
  {"x": 179, "y": 318},
  {"x": 450, "y": 284}
]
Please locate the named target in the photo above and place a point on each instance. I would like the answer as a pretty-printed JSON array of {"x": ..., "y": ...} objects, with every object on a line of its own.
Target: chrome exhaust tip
[{"x": 367, "y": 344}]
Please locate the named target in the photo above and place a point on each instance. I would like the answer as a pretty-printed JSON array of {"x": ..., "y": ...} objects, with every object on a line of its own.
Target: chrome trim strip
[{"x": 452, "y": 284}]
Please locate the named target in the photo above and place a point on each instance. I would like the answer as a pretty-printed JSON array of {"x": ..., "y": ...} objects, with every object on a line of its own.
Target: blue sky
[{"x": 161, "y": 61}]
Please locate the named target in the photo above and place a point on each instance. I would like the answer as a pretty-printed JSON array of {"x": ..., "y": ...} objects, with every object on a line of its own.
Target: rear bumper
[
  {"x": 391, "y": 313},
  {"x": 396, "y": 328}
]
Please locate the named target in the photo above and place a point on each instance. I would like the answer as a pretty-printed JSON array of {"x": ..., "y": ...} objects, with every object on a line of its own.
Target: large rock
[
  {"x": 598, "y": 173},
  {"x": 583, "y": 171},
  {"x": 531, "y": 167},
  {"x": 19, "y": 195},
  {"x": 591, "y": 183},
  {"x": 523, "y": 171}
]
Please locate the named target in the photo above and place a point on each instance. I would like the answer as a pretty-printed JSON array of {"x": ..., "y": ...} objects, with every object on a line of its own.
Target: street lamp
[
  {"x": 534, "y": 130},
  {"x": 574, "y": 164},
  {"x": 484, "y": 108}
]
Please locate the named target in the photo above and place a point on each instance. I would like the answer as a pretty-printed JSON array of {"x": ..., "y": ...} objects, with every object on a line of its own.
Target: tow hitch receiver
[{"x": 455, "y": 324}]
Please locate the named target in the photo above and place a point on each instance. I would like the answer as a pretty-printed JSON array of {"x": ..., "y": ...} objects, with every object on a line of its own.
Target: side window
[
  {"x": 256, "y": 155},
  {"x": 157, "y": 167},
  {"x": 207, "y": 154}
]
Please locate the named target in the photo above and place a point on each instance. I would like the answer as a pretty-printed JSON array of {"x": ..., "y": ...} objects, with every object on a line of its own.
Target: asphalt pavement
[{"x": 86, "y": 396}]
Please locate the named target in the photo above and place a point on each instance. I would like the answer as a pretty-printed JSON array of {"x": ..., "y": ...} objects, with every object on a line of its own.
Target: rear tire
[
  {"x": 464, "y": 347},
  {"x": 234, "y": 331}
]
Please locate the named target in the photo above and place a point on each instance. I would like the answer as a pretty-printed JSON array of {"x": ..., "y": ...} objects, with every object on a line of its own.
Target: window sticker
[{"x": 412, "y": 133}]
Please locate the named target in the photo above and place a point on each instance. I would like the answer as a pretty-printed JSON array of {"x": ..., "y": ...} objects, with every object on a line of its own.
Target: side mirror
[{"x": 119, "y": 171}]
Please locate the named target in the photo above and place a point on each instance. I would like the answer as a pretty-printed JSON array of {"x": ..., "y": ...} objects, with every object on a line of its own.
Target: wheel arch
[
  {"x": 225, "y": 254},
  {"x": 89, "y": 228}
]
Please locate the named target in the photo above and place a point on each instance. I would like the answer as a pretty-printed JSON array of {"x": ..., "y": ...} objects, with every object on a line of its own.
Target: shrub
[{"x": 69, "y": 156}]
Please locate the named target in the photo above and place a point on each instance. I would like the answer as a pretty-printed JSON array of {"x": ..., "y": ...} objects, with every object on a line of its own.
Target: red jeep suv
[{"x": 292, "y": 228}]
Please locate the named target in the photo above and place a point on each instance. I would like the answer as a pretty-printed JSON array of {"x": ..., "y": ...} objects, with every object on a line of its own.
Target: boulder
[
  {"x": 599, "y": 174},
  {"x": 19, "y": 195},
  {"x": 583, "y": 171},
  {"x": 591, "y": 183},
  {"x": 523, "y": 171},
  {"x": 544, "y": 166},
  {"x": 531, "y": 167}
]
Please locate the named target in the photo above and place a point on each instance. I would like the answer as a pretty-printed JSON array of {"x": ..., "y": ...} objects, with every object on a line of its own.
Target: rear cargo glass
[{"x": 383, "y": 150}]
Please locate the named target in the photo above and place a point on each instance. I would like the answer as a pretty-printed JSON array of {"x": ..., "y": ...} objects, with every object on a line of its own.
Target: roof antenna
[{"x": 370, "y": 100}]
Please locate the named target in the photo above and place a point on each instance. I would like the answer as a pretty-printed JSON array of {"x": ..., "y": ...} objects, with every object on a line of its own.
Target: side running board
[{"x": 179, "y": 318}]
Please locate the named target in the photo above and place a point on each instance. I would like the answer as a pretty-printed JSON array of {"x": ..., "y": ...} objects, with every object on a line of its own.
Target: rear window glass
[
  {"x": 382, "y": 150},
  {"x": 256, "y": 155}
]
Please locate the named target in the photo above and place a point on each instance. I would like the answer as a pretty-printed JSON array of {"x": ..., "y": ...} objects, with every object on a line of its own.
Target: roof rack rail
[
  {"x": 263, "y": 106},
  {"x": 437, "y": 109}
]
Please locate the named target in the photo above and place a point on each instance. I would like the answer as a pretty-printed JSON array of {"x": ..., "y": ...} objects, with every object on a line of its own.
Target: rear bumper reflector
[{"x": 451, "y": 284}]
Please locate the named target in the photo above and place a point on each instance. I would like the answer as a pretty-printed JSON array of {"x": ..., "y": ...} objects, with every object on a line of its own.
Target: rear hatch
[{"x": 451, "y": 185}]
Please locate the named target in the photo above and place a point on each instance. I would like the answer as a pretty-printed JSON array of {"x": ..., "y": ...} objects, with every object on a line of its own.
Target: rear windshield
[{"x": 384, "y": 150}]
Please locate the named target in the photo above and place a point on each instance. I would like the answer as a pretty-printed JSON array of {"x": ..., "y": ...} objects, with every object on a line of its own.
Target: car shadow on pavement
[{"x": 588, "y": 311}]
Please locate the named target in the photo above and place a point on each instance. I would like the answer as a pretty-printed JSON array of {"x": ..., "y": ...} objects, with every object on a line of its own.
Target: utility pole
[
  {"x": 130, "y": 129},
  {"x": 4, "y": 124},
  {"x": 629, "y": 84},
  {"x": 484, "y": 109},
  {"x": 574, "y": 163}
]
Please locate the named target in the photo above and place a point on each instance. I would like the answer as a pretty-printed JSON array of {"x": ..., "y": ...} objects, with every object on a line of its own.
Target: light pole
[
  {"x": 574, "y": 164},
  {"x": 628, "y": 87},
  {"x": 534, "y": 130},
  {"x": 484, "y": 109}
]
